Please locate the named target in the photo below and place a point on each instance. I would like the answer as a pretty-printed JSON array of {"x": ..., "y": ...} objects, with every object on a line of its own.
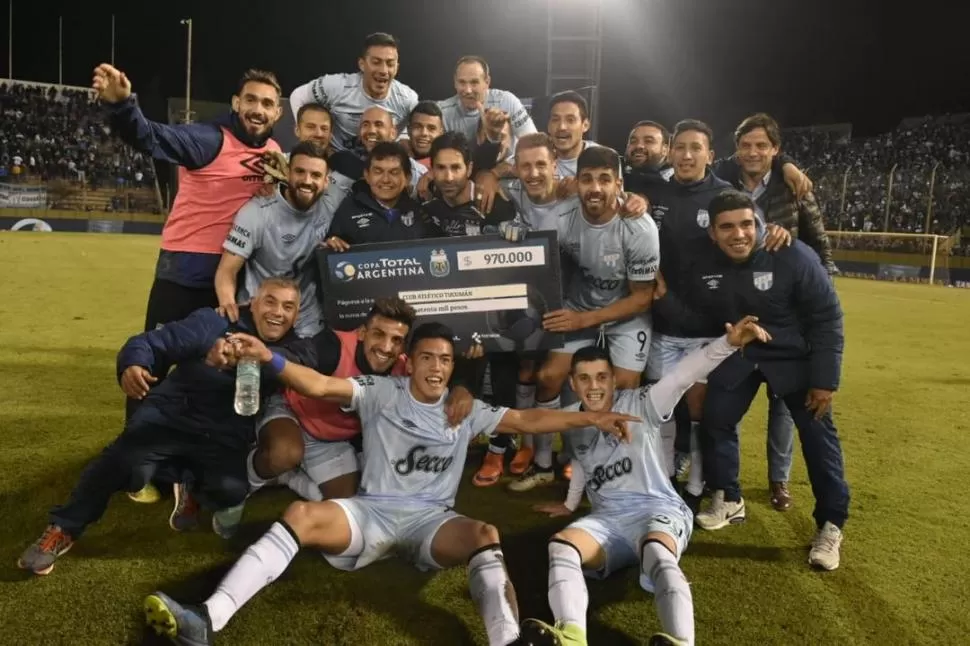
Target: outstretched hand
[
  {"x": 249, "y": 347},
  {"x": 745, "y": 331},
  {"x": 617, "y": 424}
]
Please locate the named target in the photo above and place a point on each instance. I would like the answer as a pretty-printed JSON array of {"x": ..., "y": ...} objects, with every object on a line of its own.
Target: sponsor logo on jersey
[
  {"x": 254, "y": 164},
  {"x": 609, "y": 472},
  {"x": 713, "y": 281},
  {"x": 418, "y": 459},
  {"x": 602, "y": 284}
]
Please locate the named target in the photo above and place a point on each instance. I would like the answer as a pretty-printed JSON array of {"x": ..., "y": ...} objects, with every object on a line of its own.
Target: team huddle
[{"x": 687, "y": 283}]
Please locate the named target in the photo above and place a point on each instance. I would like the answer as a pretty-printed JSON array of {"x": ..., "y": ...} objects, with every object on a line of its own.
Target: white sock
[
  {"x": 668, "y": 437},
  {"x": 525, "y": 397},
  {"x": 300, "y": 482},
  {"x": 543, "y": 441},
  {"x": 695, "y": 479},
  {"x": 675, "y": 605},
  {"x": 568, "y": 596},
  {"x": 259, "y": 566},
  {"x": 494, "y": 595},
  {"x": 256, "y": 482}
]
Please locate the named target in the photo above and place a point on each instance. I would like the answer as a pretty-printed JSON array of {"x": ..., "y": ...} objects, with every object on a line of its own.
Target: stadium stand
[{"x": 54, "y": 137}]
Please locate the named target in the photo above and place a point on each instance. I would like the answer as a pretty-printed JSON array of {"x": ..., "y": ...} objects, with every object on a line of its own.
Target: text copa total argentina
[{"x": 382, "y": 268}]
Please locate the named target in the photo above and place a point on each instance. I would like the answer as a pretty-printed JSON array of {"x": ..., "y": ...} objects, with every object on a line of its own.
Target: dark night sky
[{"x": 805, "y": 62}]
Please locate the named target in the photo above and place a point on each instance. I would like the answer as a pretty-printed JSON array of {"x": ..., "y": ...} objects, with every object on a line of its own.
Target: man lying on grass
[{"x": 413, "y": 464}]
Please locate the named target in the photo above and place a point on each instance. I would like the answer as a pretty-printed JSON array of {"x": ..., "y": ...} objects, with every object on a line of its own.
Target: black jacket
[
  {"x": 195, "y": 396},
  {"x": 680, "y": 211},
  {"x": 794, "y": 300},
  {"x": 466, "y": 219},
  {"x": 360, "y": 219}
]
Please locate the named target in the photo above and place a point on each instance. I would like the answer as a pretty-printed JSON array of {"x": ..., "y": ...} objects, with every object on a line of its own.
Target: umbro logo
[
  {"x": 408, "y": 423},
  {"x": 254, "y": 164},
  {"x": 289, "y": 238}
]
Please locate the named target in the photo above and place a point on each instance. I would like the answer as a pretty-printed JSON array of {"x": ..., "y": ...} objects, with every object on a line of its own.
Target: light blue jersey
[
  {"x": 278, "y": 240},
  {"x": 457, "y": 119},
  {"x": 410, "y": 453},
  {"x": 537, "y": 217},
  {"x": 625, "y": 477}
]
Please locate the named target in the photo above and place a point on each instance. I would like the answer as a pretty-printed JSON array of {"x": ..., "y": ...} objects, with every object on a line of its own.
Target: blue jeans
[{"x": 781, "y": 439}]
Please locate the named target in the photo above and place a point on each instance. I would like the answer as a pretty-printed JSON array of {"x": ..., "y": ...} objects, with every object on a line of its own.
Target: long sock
[
  {"x": 568, "y": 596},
  {"x": 259, "y": 566},
  {"x": 492, "y": 591},
  {"x": 256, "y": 481},
  {"x": 543, "y": 442},
  {"x": 525, "y": 397},
  {"x": 668, "y": 437},
  {"x": 300, "y": 482},
  {"x": 695, "y": 479},
  {"x": 672, "y": 596}
]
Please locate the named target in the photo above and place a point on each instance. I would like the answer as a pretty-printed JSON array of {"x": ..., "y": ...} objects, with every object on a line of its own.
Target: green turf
[{"x": 68, "y": 301}]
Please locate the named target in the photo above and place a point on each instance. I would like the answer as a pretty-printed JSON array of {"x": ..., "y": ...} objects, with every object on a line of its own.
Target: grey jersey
[
  {"x": 567, "y": 167},
  {"x": 538, "y": 217},
  {"x": 623, "y": 477},
  {"x": 278, "y": 240},
  {"x": 456, "y": 118},
  {"x": 410, "y": 453},
  {"x": 607, "y": 256},
  {"x": 344, "y": 95}
]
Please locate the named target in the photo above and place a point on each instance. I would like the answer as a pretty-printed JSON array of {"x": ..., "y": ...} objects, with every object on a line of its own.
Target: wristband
[{"x": 277, "y": 363}]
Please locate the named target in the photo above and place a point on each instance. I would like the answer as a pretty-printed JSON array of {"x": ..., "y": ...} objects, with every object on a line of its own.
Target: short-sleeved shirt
[
  {"x": 344, "y": 95},
  {"x": 567, "y": 167},
  {"x": 457, "y": 119},
  {"x": 607, "y": 256},
  {"x": 277, "y": 239},
  {"x": 622, "y": 477},
  {"x": 537, "y": 217},
  {"x": 410, "y": 452}
]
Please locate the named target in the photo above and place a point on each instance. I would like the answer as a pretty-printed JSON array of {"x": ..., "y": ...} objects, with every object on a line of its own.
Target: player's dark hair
[
  {"x": 309, "y": 149},
  {"x": 570, "y": 96},
  {"x": 729, "y": 200},
  {"x": 393, "y": 308},
  {"x": 452, "y": 141},
  {"x": 598, "y": 157},
  {"x": 760, "y": 120},
  {"x": 390, "y": 150},
  {"x": 254, "y": 75},
  {"x": 473, "y": 59},
  {"x": 664, "y": 133},
  {"x": 688, "y": 125},
  {"x": 379, "y": 39},
  {"x": 431, "y": 331},
  {"x": 590, "y": 353},
  {"x": 313, "y": 107},
  {"x": 429, "y": 108}
]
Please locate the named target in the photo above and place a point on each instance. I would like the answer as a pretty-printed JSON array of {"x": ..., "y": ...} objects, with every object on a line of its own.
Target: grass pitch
[{"x": 68, "y": 302}]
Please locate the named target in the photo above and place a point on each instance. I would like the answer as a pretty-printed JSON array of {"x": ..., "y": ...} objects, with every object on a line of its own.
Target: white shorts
[
  {"x": 621, "y": 535},
  {"x": 384, "y": 529},
  {"x": 628, "y": 341},
  {"x": 323, "y": 461},
  {"x": 667, "y": 351}
]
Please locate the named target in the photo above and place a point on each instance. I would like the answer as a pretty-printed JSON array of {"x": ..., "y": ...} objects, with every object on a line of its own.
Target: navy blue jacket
[
  {"x": 195, "y": 396},
  {"x": 794, "y": 299},
  {"x": 680, "y": 211},
  {"x": 192, "y": 145}
]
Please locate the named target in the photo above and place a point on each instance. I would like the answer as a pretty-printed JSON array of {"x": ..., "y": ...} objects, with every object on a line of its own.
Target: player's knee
[
  {"x": 283, "y": 450},
  {"x": 300, "y": 516},
  {"x": 486, "y": 534},
  {"x": 695, "y": 401},
  {"x": 527, "y": 372},
  {"x": 551, "y": 378}
]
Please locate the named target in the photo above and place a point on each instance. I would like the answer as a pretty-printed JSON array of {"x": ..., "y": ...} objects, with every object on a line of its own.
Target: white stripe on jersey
[{"x": 410, "y": 453}]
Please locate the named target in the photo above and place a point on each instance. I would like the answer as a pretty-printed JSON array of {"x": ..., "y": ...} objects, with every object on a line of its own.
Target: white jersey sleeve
[
  {"x": 642, "y": 250},
  {"x": 246, "y": 234},
  {"x": 484, "y": 418},
  {"x": 699, "y": 363},
  {"x": 519, "y": 117},
  {"x": 370, "y": 394}
]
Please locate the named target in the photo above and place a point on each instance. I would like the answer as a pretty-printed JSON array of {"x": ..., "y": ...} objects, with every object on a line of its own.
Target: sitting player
[
  {"x": 412, "y": 466},
  {"x": 637, "y": 516}
]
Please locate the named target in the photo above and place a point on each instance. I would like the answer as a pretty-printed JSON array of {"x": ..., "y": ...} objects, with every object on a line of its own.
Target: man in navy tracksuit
[
  {"x": 795, "y": 301},
  {"x": 188, "y": 418}
]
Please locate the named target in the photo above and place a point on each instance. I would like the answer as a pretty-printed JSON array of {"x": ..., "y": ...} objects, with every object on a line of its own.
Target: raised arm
[
  {"x": 191, "y": 145},
  {"x": 539, "y": 420}
]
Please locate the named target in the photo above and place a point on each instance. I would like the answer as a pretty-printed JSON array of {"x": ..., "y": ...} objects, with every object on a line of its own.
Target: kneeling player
[
  {"x": 637, "y": 516},
  {"x": 412, "y": 466}
]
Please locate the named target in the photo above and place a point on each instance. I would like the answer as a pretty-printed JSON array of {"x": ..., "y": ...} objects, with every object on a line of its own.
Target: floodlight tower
[{"x": 574, "y": 51}]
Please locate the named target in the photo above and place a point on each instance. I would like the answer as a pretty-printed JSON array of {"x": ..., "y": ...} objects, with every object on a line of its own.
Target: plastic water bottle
[{"x": 247, "y": 387}]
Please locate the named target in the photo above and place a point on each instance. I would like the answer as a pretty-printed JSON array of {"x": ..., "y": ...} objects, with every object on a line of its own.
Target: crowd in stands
[
  {"x": 891, "y": 181},
  {"x": 50, "y": 134}
]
